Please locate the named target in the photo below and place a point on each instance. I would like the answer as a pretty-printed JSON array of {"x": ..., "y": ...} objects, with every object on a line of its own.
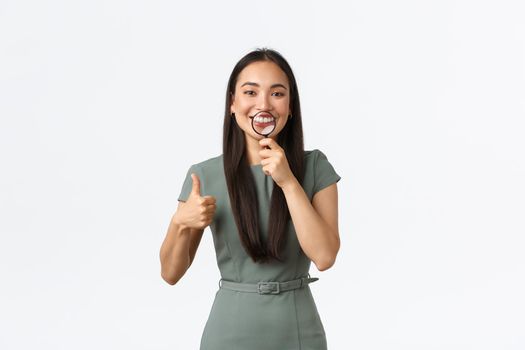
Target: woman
[{"x": 271, "y": 212}]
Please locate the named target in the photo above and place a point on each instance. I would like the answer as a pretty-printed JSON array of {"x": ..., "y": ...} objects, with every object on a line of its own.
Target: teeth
[{"x": 263, "y": 119}]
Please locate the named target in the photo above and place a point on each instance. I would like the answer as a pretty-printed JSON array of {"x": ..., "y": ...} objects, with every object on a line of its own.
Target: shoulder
[
  {"x": 312, "y": 156},
  {"x": 309, "y": 153},
  {"x": 208, "y": 171},
  {"x": 206, "y": 168},
  {"x": 209, "y": 164},
  {"x": 216, "y": 163},
  {"x": 319, "y": 172}
]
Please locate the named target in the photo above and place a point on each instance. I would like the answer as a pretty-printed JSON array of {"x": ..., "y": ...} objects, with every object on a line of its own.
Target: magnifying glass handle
[{"x": 266, "y": 147}]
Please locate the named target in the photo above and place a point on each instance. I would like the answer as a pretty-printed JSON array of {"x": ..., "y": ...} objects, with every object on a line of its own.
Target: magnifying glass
[{"x": 263, "y": 123}]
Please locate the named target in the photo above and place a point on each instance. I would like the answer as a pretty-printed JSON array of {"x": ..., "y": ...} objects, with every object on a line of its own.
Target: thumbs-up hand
[{"x": 197, "y": 212}]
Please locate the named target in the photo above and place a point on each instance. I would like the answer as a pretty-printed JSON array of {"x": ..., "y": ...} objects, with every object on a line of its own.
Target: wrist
[
  {"x": 291, "y": 185},
  {"x": 178, "y": 223}
]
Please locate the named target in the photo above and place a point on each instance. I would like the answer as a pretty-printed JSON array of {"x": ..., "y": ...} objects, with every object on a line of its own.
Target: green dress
[{"x": 241, "y": 320}]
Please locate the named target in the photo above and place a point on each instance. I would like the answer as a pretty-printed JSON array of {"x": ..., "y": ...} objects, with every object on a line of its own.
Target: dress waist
[{"x": 267, "y": 287}]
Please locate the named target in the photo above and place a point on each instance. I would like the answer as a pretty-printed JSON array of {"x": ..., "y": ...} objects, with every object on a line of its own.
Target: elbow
[
  {"x": 170, "y": 278},
  {"x": 325, "y": 263},
  {"x": 171, "y": 273},
  {"x": 327, "y": 260}
]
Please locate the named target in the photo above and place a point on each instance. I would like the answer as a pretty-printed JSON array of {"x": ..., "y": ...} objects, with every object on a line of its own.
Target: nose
[{"x": 263, "y": 102}]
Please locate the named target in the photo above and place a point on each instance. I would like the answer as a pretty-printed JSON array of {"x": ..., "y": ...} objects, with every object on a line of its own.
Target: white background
[{"x": 419, "y": 106}]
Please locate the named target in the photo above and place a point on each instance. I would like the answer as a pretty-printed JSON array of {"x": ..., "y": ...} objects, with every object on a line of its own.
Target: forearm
[
  {"x": 174, "y": 253},
  {"x": 317, "y": 239}
]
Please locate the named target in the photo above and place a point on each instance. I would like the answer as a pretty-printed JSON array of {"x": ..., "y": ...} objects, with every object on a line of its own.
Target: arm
[
  {"x": 316, "y": 223},
  {"x": 178, "y": 249}
]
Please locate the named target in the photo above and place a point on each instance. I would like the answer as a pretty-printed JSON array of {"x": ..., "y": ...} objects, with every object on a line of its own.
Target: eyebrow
[{"x": 271, "y": 87}]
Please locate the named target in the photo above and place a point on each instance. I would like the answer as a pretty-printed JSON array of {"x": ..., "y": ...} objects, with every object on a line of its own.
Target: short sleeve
[
  {"x": 187, "y": 185},
  {"x": 325, "y": 173}
]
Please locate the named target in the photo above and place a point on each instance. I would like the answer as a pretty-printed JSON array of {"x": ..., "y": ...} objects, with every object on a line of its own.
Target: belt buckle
[{"x": 267, "y": 288}]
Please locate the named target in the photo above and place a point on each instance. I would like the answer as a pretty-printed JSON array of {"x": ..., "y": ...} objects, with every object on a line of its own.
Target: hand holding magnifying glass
[{"x": 263, "y": 123}]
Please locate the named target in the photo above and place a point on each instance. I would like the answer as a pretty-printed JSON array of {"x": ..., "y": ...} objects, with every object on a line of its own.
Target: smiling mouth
[{"x": 263, "y": 119}]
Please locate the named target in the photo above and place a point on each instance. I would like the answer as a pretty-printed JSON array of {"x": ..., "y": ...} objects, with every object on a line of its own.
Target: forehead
[{"x": 264, "y": 73}]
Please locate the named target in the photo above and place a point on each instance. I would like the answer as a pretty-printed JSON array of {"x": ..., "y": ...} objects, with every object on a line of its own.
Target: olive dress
[{"x": 242, "y": 320}]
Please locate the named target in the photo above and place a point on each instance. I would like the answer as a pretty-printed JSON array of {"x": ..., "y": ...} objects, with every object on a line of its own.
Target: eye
[
  {"x": 279, "y": 93},
  {"x": 247, "y": 92}
]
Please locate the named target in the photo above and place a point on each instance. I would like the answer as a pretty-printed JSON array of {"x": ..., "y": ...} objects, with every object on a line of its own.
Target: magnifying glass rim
[{"x": 258, "y": 133}]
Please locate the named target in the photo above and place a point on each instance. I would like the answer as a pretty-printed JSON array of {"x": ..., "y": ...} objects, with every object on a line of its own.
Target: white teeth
[{"x": 263, "y": 119}]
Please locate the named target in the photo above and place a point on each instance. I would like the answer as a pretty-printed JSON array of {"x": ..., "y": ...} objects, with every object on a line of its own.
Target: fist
[{"x": 197, "y": 212}]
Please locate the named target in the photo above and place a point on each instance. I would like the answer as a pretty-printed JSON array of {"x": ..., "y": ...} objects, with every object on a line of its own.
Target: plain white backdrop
[{"x": 419, "y": 106}]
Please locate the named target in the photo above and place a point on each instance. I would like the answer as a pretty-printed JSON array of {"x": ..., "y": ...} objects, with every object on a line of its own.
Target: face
[{"x": 262, "y": 88}]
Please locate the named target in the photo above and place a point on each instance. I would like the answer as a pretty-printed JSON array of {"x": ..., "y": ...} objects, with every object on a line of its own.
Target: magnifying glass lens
[{"x": 263, "y": 126}]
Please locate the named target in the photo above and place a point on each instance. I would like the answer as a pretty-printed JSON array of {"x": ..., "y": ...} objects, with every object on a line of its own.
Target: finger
[
  {"x": 265, "y": 153},
  {"x": 268, "y": 141},
  {"x": 196, "y": 184},
  {"x": 266, "y": 161},
  {"x": 209, "y": 200},
  {"x": 265, "y": 141},
  {"x": 207, "y": 209}
]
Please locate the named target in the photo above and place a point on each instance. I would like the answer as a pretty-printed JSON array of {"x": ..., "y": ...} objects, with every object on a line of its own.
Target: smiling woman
[{"x": 272, "y": 210}]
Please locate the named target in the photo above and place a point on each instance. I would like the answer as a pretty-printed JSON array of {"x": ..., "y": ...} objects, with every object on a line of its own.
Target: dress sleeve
[
  {"x": 188, "y": 184},
  {"x": 325, "y": 174}
]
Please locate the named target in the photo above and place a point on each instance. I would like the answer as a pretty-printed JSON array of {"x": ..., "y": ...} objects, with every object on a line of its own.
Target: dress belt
[{"x": 267, "y": 287}]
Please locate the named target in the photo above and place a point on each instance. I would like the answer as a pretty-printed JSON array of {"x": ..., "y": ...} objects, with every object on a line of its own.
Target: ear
[{"x": 232, "y": 102}]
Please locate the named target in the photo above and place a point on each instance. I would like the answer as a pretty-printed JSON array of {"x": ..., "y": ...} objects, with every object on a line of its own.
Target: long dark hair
[{"x": 239, "y": 178}]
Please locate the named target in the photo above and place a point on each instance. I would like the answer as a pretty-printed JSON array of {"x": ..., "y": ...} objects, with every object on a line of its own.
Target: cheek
[
  {"x": 244, "y": 104},
  {"x": 283, "y": 107}
]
